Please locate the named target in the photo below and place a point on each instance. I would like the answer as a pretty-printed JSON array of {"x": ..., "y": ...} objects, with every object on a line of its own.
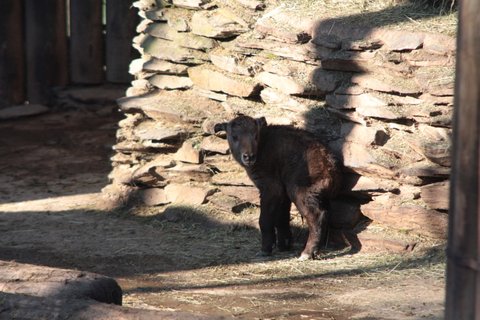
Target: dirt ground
[{"x": 52, "y": 170}]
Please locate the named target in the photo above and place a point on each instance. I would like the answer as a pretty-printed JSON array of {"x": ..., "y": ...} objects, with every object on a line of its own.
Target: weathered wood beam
[
  {"x": 86, "y": 42},
  {"x": 463, "y": 267},
  {"x": 12, "y": 62},
  {"x": 46, "y": 45},
  {"x": 122, "y": 19}
]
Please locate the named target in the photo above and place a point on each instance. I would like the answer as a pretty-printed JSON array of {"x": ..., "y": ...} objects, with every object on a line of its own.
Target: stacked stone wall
[{"x": 382, "y": 99}]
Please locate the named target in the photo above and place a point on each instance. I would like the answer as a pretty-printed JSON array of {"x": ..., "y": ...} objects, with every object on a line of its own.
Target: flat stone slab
[
  {"x": 424, "y": 58},
  {"x": 189, "y": 153},
  {"x": 370, "y": 185},
  {"x": 388, "y": 209},
  {"x": 188, "y": 172},
  {"x": 163, "y": 81},
  {"x": 244, "y": 193},
  {"x": 425, "y": 168},
  {"x": 161, "y": 161},
  {"x": 436, "y": 195},
  {"x": 215, "y": 144},
  {"x": 226, "y": 60},
  {"x": 439, "y": 44},
  {"x": 219, "y": 24},
  {"x": 186, "y": 194},
  {"x": 281, "y": 100},
  {"x": 361, "y": 159},
  {"x": 350, "y": 61},
  {"x": 167, "y": 50},
  {"x": 23, "y": 110},
  {"x": 385, "y": 82},
  {"x": 284, "y": 84},
  {"x": 165, "y": 67},
  {"x": 166, "y": 105},
  {"x": 153, "y": 196},
  {"x": 182, "y": 39},
  {"x": 363, "y": 135},
  {"x": 394, "y": 40},
  {"x": 210, "y": 79},
  {"x": 400, "y": 40},
  {"x": 252, "y": 4},
  {"x": 291, "y": 77},
  {"x": 341, "y": 101},
  {"x": 274, "y": 49},
  {"x": 41, "y": 281},
  {"x": 190, "y": 4},
  {"x": 436, "y": 80},
  {"x": 386, "y": 112},
  {"x": 280, "y": 25},
  {"x": 151, "y": 130},
  {"x": 145, "y": 5}
]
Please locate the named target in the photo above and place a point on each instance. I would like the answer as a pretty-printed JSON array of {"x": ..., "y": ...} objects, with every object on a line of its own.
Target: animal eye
[{"x": 235, "y": 138}]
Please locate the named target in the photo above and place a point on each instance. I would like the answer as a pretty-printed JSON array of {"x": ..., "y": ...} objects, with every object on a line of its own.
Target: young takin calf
[{"x": 287, "y": 165}]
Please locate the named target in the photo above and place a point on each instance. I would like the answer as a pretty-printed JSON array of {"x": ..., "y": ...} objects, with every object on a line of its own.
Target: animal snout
[{"x": 248, "y": 158}]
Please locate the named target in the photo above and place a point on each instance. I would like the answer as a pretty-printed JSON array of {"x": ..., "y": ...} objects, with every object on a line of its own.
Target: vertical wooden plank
[
  {"x": 463, "y": 266},
  {"x": 122, "y": 20},
  {"x": 12, "y": 66},
  {"x": 60, "y": 43},
  {"x": 86, "y": 42},
  {"x": 46, "y": 47}
]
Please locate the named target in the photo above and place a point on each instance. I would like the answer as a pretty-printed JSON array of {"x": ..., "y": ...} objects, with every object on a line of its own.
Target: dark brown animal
[{"x": 287, "y": 165}]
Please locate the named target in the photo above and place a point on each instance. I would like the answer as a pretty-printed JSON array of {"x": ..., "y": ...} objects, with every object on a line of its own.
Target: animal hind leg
[{"x": 313, "y": 209}]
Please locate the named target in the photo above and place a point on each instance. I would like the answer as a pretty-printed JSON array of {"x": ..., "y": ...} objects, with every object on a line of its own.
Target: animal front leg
[
  {"x": 282, "y": 224},
  {"x": 267, "y": 225},
  {"x": 267, "y": 228}
]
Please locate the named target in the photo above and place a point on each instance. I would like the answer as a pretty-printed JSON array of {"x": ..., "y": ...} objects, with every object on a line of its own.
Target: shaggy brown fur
[{"x": 287, "y": 165}]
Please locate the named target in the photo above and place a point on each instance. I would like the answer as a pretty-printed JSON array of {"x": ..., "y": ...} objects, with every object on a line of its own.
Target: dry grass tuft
[
  {"x": 231, "y": 240},
  {"x": 439, "y": 17}
]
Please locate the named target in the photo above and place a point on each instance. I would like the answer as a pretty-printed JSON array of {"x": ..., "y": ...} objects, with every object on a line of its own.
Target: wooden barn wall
[
  {"x": 51, "y": 43},
  {"x": 12, "y": 63}
]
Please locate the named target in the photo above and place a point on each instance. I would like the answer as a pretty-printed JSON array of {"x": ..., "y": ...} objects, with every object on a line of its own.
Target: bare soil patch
[{"x": 197, "y": 260}]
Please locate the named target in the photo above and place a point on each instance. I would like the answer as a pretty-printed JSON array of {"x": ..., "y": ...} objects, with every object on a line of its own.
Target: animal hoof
[
  {"x": 354, "y": 250},
  {"x": 305, "y": 256}
]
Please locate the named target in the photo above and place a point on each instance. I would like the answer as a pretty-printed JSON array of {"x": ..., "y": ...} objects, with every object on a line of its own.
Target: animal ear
[
  {"x": 220, "y": 127},
  {"x": 261, "y": 122}
]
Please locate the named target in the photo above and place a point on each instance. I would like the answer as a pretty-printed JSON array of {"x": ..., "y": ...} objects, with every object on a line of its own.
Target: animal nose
[{"x": 248, "y": 157}]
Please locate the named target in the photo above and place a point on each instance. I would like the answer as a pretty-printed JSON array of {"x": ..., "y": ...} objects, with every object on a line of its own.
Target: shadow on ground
[{"x": 120, "y": 245}]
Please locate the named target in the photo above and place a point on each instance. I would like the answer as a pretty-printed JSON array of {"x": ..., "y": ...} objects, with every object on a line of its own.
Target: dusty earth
[{"x": 198, "y": 260}]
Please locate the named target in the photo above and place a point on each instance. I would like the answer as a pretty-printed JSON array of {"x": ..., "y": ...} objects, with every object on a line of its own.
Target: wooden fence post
[
  {"x": 463, "y": 266},
  {"x": 86, "y": 42},
  {"x": 46, "y": 47},
  {"x": 12, "y": 63},
  {"x": 122, "y": 20}
]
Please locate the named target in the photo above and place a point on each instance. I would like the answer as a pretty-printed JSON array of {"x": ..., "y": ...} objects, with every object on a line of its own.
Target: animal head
[{"x": 243, "y": 135}]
